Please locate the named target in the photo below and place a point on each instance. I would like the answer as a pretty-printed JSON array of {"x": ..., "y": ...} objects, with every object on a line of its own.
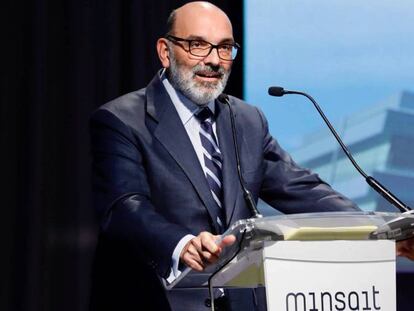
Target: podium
[{"x": 312, "y": 262}]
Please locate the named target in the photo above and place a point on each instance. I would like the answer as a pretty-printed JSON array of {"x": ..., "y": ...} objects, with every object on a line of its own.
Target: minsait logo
[{"x": 334, "y": 301}]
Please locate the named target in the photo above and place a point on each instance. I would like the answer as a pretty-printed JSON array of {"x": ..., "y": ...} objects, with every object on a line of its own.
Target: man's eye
[
  {"x": 199, "y": 44},
  {"x": 226, "y": 47}
]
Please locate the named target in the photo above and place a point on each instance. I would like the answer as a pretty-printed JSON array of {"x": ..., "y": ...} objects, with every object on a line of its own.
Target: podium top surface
[
  {"x": 251, "y": 234},
  {"x": 329, "y": 226}
]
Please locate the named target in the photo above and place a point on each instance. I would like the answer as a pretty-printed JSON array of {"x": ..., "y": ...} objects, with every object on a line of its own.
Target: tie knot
[{"x": 204, "y": 114}]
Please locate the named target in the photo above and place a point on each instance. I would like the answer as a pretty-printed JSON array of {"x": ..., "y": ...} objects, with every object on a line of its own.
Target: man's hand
[
  {"x": 203, "y": 250},
  {"x": 406, "y": 248}
]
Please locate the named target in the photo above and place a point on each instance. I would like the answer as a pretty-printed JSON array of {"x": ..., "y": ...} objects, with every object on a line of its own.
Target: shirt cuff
[{"x": 175, "y": 259}]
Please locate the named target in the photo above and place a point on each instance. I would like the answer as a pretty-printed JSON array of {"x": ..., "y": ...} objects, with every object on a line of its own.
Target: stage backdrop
[
  {"x": 60, "y": 61},
  {"x": 356, "y": 58}
]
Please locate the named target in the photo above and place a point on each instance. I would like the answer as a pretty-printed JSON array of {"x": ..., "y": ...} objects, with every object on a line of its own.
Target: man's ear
[{"x": 163, "y": 52}]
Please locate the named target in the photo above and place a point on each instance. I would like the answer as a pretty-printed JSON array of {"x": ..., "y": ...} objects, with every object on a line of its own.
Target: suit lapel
[
  {"x": 230, "y": 179},
  {"x": 171, "y": 133}
]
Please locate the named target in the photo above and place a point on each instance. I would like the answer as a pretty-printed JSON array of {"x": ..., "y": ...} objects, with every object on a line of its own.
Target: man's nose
[{"x": 212, "y": 58}]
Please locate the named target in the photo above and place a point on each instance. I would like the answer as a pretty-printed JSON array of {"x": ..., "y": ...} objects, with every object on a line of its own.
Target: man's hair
[{"x": 171, "y": 22}]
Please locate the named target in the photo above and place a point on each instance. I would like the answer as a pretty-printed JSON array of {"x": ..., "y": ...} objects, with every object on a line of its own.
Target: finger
[
  {"x": 196, "y": 248},
  {"x": 228, "y": 240},
  {"x": 202, "y": 247},
  {"x": 399, "y": 252},
  {"x": 209, "y": 257},
  {"x": 192, "y": 258},
  {"x": 196, "y": 242},
  {"x": 406, "y": 249},
  {"x": 193, "y": 264},
  {"x": 399, "y": 248},
  {"x": 194, "y": 254},
  {"x": 190, "y": 251},
  {"x": 208, "y": 243},
  {"x": 199, "y": 253}
]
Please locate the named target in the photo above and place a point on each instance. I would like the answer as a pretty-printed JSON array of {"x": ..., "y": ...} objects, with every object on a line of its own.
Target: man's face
[
  {"x": 201, "y": 79},
  {"x": 200, "y": 83}
]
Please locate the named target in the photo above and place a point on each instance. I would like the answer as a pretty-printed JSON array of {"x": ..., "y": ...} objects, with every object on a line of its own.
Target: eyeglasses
[{"x": 201, "y": 48}]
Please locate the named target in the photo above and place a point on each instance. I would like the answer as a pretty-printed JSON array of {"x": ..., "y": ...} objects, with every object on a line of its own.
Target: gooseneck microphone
[
  {"x": 376, "y": 185},
  {"x": 223, "y": 98}
]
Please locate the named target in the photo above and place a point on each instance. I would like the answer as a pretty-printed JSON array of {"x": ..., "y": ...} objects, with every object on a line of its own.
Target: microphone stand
[
  {"x": 223, "y": 98},
  {"x": 376, "y": 185}
]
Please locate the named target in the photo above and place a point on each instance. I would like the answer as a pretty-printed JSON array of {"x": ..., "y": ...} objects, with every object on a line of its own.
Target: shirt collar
[{"x": 185, "y": 107}]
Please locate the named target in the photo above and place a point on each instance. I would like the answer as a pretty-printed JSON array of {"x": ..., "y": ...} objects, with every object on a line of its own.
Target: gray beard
[{"x": 201, "y": 93}]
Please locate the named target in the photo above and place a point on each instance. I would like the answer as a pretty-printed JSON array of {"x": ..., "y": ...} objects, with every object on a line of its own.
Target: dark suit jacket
[{"x": 150, "y": 190}]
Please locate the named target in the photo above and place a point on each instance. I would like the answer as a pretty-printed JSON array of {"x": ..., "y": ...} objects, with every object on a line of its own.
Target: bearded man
[{"x": 165, "y": 176}]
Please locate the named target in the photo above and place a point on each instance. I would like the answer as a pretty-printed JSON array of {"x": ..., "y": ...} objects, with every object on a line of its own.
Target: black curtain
[{"x": 60, "y": 61}]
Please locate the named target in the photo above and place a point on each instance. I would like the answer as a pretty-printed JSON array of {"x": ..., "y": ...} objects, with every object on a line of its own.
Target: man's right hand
[{"x": 203, "y": 250}]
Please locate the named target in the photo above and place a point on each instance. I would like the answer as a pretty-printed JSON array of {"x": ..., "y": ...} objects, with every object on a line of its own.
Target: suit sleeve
[
  {"x": 122, "y": 196},
  {"x": 293, "y": 189}
]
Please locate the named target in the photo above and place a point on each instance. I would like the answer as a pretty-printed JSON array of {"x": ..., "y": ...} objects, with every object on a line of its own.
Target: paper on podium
[{"x": 329, "y": 233}]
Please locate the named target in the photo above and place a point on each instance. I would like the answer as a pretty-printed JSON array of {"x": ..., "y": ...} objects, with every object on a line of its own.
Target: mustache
[{"x": 209, "y": 69}]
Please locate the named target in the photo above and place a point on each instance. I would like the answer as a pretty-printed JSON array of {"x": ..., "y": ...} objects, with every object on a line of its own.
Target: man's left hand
[{"x": 406, "y": 248}]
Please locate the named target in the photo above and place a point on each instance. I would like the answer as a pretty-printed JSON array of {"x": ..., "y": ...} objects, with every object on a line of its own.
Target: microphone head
[
  {"x": 276, "y": 91},
  {"x": 224, "y": 98}
]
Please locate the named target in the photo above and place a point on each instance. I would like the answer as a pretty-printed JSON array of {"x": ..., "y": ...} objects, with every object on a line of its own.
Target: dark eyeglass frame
[{"x": 234, "y": 46}]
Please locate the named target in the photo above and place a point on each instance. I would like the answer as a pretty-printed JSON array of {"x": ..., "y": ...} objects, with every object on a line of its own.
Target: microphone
[
  {"x": 223, "y": 98},
  {"x": 276, "y": 91},
  {"x": 371, "y": 181}
]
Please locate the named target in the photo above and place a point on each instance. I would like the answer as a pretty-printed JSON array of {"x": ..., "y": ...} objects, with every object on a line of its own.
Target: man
[{"x": 165, "y": 178}]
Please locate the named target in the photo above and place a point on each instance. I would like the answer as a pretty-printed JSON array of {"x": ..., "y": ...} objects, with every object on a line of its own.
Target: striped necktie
[{"x": 212, "y": 162}]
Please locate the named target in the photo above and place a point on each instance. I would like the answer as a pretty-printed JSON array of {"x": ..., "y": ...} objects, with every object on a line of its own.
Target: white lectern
[{"x": 313, "y": 262}]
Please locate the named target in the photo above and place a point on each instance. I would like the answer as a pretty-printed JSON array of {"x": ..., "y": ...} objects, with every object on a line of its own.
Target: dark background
[{"x": 60, "y": 60}]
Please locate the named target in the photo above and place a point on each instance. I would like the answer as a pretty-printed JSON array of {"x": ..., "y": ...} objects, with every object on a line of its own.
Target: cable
[{"x": 210, "y": 286}]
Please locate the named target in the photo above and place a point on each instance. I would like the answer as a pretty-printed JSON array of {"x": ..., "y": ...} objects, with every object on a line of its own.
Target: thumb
[{"x": 227, "y": 240}]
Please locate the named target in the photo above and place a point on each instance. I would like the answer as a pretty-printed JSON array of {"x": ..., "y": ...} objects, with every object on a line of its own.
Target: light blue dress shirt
[{"x": 186, "y": 110}]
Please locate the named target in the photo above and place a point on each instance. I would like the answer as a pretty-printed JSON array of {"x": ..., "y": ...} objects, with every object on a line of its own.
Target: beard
[{"x": 199, "y": 92}]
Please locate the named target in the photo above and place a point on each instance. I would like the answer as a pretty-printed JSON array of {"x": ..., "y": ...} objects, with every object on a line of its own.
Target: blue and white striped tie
[{"x": 212, "y": 161}]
